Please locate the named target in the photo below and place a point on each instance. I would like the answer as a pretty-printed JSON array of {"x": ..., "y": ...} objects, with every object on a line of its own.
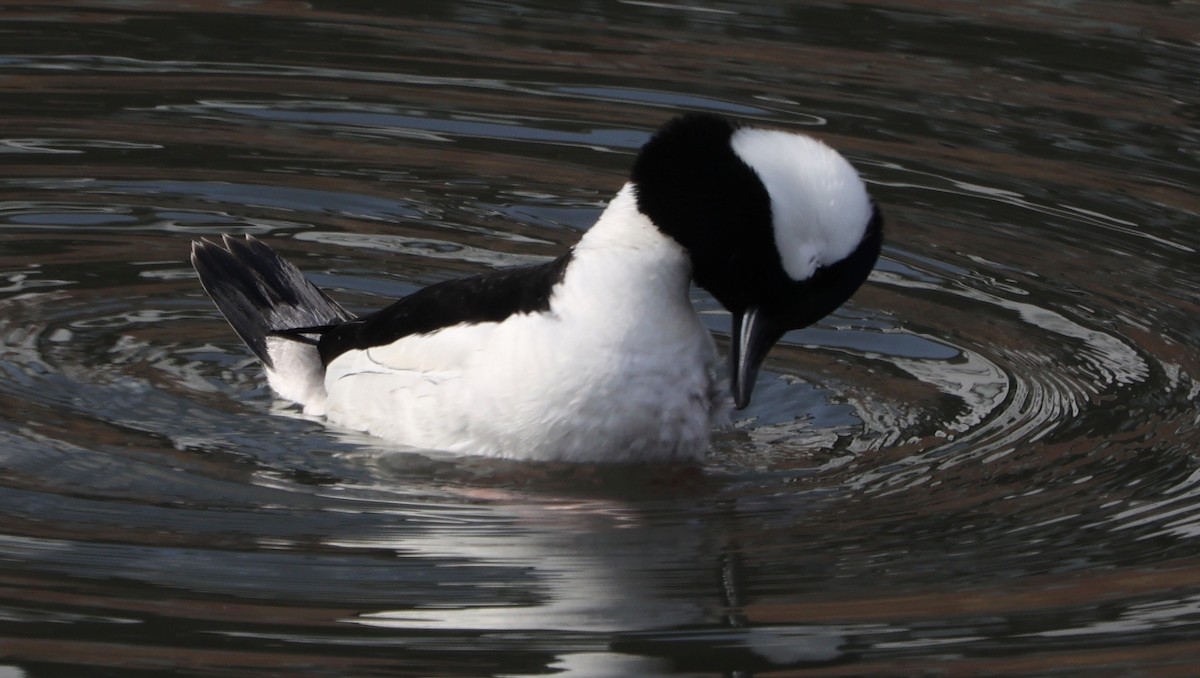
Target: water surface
[{"x": 985, "y": 464}]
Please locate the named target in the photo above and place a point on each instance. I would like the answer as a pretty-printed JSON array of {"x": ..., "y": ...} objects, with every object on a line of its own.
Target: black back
[{"x": 489, "y": 297}]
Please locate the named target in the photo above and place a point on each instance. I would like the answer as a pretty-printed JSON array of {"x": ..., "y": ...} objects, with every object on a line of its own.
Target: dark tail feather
[{"x": 259, "y": 293}]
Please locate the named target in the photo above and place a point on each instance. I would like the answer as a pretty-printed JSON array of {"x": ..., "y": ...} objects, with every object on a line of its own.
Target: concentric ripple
[{"x": 985, "y": 464}]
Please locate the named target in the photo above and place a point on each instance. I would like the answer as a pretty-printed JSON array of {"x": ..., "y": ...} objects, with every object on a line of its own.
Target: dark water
[{"x": 986, "y": 464}]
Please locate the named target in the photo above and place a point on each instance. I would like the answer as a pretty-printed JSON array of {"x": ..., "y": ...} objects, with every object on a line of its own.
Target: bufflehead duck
[{"x": 597, "y": 356}]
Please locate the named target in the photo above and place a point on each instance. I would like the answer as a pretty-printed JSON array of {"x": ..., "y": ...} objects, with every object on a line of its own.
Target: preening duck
[{"x": 598, "y": 355}]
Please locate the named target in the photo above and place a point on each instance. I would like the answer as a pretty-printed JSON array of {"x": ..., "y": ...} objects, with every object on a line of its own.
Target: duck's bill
[{"x": 754, "y": 333}]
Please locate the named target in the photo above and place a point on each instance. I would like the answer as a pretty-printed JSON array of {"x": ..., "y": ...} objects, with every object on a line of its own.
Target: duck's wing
[{"x": 489, "y": 297}]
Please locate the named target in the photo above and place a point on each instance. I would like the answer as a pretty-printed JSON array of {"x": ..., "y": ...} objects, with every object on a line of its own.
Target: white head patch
[{"x": 819, "y": 205}]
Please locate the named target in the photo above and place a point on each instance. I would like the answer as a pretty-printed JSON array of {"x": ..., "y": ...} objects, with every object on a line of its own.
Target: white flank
[{"x": 297, "y": 374}]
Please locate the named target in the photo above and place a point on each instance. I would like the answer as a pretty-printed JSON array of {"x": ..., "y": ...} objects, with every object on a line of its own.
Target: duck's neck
[{"x": 625, "y": 262}]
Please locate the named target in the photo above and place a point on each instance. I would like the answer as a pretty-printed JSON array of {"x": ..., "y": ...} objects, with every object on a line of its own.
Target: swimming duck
[{"x": 598, "y": 355}]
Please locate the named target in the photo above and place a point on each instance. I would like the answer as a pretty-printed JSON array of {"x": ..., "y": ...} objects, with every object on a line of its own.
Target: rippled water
[{"x": 986, "y": 464}]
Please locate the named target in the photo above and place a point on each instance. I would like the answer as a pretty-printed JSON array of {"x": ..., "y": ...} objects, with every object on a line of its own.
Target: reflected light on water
[{"x": 984, "y": 464}]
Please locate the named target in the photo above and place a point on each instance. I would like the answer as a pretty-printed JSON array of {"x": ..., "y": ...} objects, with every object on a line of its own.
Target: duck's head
[{"x": 779, "y": 227}]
